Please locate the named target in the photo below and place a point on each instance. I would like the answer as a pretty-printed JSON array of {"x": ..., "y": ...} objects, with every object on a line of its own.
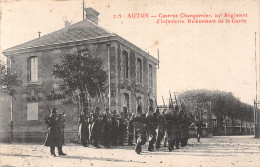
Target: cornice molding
[{"x": 8, "y": 52}]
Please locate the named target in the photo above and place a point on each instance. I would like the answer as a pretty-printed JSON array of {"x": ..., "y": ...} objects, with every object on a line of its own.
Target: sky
[{"x": 192, "y": 56}]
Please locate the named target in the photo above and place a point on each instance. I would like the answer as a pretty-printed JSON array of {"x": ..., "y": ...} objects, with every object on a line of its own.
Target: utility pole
[
  {"x": 256, "y": 128},
  {"x": 83, "y": 8},
  {"x": 11, "y": 138},
  {"x": 109, "y": 76}
]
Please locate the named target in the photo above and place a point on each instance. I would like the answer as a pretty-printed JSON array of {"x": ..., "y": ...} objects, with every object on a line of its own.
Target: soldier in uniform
[
  {"x": 120, "y": 130},
  {"x": 198, "y": 126},
  {"x": 151, "y": 127},
  {"x": 83, "y": 129},
  {"x": 161, "y": 129},
  {"x": 105, "y": 130},
  {"x": 130, "y": 130},
  {"x": 184, "y": 128},
  {"x": 54, "y": 135},
  {"x": 177, "y": 122},
  {"x": 140, "y": 132},
  {"x": 172, "y": 127},
  {"x": 96, "y": 130},
  {"x": 113, "y": 131}
]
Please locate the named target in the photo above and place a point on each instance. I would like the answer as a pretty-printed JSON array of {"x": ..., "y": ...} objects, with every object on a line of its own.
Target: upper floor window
[
  {"x": 33, "y": 69},
  {"x": 139, "y": 74},
  {"x": 9, "y": 63},
  {"x": 150, "y": 78},
  {"x": 125, "y": 64}
]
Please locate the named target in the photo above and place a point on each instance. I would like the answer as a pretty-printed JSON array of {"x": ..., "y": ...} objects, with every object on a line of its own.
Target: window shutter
[{"x": 39, "y": 70}]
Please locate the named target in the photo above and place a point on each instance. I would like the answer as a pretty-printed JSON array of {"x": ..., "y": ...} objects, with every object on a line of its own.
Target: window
[
  {"x": 139, "y": 76},
  {"x": 9, "y": 63},
  {"x": 125, "y": 64},
  {"x": 125, "y": 103},
  {"x": 32, "y": 111},
  {"x": 33, "y": 69},
  {"x": 150, "y": 78}
]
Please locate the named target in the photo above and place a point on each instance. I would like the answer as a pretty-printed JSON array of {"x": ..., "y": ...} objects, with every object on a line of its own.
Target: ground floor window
[{"x": 32, "y": 111}]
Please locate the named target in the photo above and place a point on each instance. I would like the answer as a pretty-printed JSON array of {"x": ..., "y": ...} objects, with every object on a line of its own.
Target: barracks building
[{"x": 132, "y": 71}]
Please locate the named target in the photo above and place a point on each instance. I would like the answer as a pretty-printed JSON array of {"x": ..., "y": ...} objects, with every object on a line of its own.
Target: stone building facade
[{"x": 132, "y": 71}]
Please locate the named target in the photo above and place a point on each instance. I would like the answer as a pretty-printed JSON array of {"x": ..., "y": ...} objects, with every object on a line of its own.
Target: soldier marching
[{"x": 111, "y": 129}]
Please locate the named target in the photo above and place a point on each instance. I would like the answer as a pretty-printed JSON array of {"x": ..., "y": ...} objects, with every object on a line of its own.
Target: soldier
[
  {"x": 130, "y": 129},
  {"x": 184, "y": 127},
  {"x": 151, "y": 127},
  {"x": 90, "y": 127},
  {"x": 96, "y": 130},
  {"x": 172, "y": 128},
  {"x": 120, "y": 130},
  {"x": 105, "y": 128},
  {"x": 198, "y": 126},
  {"x": 83, "y": 128},
  {"x": 177, "y": 123},
  {"x": 161, "y": 129},
  {"x": 114, "y": 127},
  {"x": 139, "y": 130},
  {"x": 54, "y": 138}
]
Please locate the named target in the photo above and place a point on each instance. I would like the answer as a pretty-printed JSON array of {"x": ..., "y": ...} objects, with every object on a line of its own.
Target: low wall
[
  {"x": 230, "y": 131},
  {"x": 206, "y": 132}
]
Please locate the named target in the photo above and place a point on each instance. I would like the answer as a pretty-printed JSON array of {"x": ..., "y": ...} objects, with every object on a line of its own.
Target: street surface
[{"x": 229, "y": 151}]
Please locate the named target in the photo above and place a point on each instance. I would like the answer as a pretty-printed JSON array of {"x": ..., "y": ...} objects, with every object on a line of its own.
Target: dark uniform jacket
[
  {"x": 172, "y": 126},
  {"x": 83, "y": 128},
  {"x": 54, "y": 132}
]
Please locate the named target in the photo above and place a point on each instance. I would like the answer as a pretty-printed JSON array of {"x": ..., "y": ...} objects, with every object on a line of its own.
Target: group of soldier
[{"x": 109, "y": 129}]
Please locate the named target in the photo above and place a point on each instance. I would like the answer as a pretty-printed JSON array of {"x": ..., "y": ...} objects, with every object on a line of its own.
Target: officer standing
[{"x": 54, "y": 135}]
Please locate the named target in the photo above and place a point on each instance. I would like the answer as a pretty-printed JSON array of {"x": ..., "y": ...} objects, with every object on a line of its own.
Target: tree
[
  {"x": 82, "y": 74},
  {"x": 9, "y": 82},
  {"x": 223, "y": 104}
]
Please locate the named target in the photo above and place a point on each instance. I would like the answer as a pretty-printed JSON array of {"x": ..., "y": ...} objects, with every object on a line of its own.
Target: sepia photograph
[{"x": 129, "y": 83}]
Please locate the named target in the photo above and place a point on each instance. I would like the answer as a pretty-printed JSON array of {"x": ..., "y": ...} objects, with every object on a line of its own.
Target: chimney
[
  {"x": 92, "y": 15},
  {"x": 67, "y": 23}
]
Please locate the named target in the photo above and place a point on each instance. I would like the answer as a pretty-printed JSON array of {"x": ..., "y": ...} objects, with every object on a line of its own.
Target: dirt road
[{"x": 233, "y": 151}]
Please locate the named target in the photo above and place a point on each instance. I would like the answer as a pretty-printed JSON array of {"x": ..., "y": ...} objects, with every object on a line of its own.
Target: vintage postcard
[{"x": 129, "y": 83}]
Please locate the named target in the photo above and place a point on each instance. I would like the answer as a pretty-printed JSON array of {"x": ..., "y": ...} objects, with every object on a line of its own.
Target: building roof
[{"x": 82, "y": 30}]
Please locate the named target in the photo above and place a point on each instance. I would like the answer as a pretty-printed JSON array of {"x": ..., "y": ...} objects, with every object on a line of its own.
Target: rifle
[
  {"x": 175, "y": 98},
  {"x": 171, "y": 98},
  {"x": 136, "y": 97},
  {"x": 163, "y": 102}
]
